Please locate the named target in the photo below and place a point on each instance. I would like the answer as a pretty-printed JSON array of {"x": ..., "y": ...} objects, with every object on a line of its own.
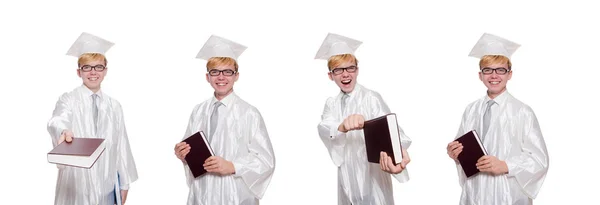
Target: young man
[
  {"x": 359, "y": 182},
  {"x": 244, "y": 162},
  {"x": 517, "y": 160},
  {"x": 87, "y": 112}
]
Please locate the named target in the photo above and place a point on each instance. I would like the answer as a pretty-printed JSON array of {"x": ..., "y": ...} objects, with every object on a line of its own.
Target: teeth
[
  {"x": 93, "y": 79},
  {"x": 221, "y": 84},
  {"x": 494, "y": 82},
  {"x": 346, "y": 81}
]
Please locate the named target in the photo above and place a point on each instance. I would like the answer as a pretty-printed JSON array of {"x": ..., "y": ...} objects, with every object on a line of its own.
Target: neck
[
  {"x": 221, "y": 96},
  {"x": 494, "y": 95}
]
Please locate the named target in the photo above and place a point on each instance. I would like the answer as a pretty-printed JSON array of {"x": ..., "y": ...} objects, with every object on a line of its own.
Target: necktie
[
  {"x": 95, "y": 110},
  {"x": 487, "y": 116},
  {"x": 344, "y": 99},
  {"x": 214, "y": 118}
]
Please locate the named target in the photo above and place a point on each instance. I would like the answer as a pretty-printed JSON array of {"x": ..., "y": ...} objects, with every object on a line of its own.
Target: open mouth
[
  {"x": 93, "y": 78},
  {"x": 346, "y": 82},
  {"x": 221, "y": 84},
  {"x": 494, "y": 82}
]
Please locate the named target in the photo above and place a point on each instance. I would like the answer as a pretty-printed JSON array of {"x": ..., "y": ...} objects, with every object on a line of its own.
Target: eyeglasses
[
  {"x": 499, "y": 71},
  {"x": 216, "y": 72},
  {"x": 350, "y": 69},
  {"x": 88, "y": 68}
]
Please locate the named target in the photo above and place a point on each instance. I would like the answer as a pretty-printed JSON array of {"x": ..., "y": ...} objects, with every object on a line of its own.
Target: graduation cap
[
  {"x": 490, "y": 44},
  {"x": 217, "y": 46},
  {"x": 88, "y": 43},
  {"x": 335, "y": 44}
]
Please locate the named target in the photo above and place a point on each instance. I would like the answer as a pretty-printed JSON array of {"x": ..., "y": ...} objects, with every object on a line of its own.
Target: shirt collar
[{"x": 87, "y": 92}]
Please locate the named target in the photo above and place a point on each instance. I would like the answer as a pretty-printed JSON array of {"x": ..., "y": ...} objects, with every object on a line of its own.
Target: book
[
  {"x": 382, "y": 134},
  {"x": 472, "y": 150},
  {"x": 199, "y": 152},
  {"x": 81, "y": 152}
]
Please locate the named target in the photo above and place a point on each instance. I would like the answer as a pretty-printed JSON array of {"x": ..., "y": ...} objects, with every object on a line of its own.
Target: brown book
[
  {"x": 81, "y": 152},
  {"x": 382, "y": 134},
  {"x": 199, "y": 152},
  {"x": 472, "y": 150}
]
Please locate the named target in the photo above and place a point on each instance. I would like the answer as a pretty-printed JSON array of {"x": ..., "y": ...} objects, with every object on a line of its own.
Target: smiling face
[
  {"x": 222, "y": 74},
  {"x": 92, "y": 69},
  {"x": 492, "y": 75},
  {"x": 343, "y": 70}
]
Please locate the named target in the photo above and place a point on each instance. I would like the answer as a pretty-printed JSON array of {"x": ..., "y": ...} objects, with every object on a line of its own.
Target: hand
[
  {"x": 219, "y": 165},
  {"x": 454, "y": 149},
  {"x": 124, "y": 196},
  {"x": 491, "y": 164},
  {"x": 352, "y": 122},
  {"x": 66, "y": 135},
  {"x": 386, "y": 164},
  {"x": 181, "y": 150}
]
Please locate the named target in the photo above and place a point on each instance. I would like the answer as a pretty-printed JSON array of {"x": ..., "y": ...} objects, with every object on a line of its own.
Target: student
[
  {"x": 517, "y": 160},
  {"x": 87, "y": 112},
  {"x": 359, "y": 182},
  {"x": 244, "y": 161}
]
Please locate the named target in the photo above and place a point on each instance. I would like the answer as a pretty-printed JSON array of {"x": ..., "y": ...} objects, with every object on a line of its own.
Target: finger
[
  {"x": 179, "y": 145},
  {"x": 384, "y": 161},
  {"x": 390, "y": 164},
  {"x": 455, "y": 146},
  {"x": 210, "y": 159},
  {"x": 61, "y": 139},
  {"x": 456, "y": 152},
  {"x": 404, "y": 162},
  {"x": 180, "y": 148},
  {"x": 347, "y": 125},
  {"x": 450, "y": 145},
  {"x": 211, "y": 162},
  {"x": 69, "y": 138},
  {"x": 381, "y": 158},
  {"x": 486, "y": 167},
  {"x": 211, "y": 167},
  {"x": 482, "y": 162},
  {"x": 361, "y": 122},
  {"x": 482, "y": 158},
  {"x": 185, "y": 153}
]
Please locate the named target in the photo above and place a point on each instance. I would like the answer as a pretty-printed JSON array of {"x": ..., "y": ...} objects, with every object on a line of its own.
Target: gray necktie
[
  {"x": 214, "y": 118},
  {"x": 95, "y": 110},
  {"x": 344, "y": 99},
  {"x": 487, "y": 116}
]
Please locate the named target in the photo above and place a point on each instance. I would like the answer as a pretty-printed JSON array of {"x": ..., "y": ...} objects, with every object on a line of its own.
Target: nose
[
  {"x": 345, "y": 73},
  {"x": 221, "y": 76}
]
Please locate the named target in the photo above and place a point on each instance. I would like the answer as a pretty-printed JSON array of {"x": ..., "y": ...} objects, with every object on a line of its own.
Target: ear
[
  {"x": 207, "y": 80},
  {"x": 509, "y": 75},
  {"x": 79, "y": 73},
  {"x": 330, "y": 77},
  {"x": 480, "y": 76},
  {"x": 237, "y": 75}
]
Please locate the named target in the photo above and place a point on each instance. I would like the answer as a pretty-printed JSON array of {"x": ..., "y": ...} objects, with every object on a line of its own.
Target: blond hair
[
  {"x": 335, "y": 61},
  {"x": 87, "y": 57},
  {"x": 221, "y": 61},
  {"x": 494, "y": 59}
]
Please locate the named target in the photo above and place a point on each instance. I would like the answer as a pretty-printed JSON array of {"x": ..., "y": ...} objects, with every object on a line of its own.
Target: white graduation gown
[
  {"x": 80, "y": 186},
  {"x": 514, "y": 136},
  {"x": 240, "y": 137},
  {"x": 359, "y": 182}
]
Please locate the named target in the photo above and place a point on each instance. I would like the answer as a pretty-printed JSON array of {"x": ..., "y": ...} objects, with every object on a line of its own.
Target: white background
[{"x": 414, "y": 55}]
